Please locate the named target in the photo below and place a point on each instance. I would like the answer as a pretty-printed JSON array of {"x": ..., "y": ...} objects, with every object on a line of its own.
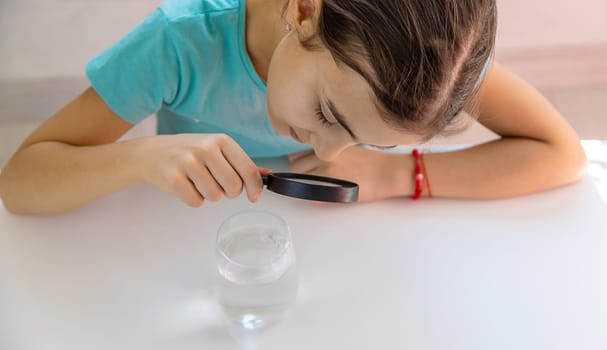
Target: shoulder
[
  {"x": 498, "y": 84},
  {"x": 180, "y": 10}
]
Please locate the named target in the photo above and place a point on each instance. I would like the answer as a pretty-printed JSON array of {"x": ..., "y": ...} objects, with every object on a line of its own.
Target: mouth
[{"x": 294, "y": 135}]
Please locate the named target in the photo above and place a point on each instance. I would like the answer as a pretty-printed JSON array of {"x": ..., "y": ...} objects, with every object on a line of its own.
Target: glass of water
[{"x": 257, "y": 278}]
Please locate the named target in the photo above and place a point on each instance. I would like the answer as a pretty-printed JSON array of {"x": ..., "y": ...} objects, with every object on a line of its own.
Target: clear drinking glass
[{"x": 257, "y": 277}]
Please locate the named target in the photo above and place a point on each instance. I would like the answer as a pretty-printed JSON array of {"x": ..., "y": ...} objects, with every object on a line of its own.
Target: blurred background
[{"x": 560, "y": 46}]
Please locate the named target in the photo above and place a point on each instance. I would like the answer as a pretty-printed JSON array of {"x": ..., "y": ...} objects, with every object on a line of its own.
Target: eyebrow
[{"x": 341, "y": 119}]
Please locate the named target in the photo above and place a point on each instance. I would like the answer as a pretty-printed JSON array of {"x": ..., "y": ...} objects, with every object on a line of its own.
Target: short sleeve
[
  {"x": 484, "y": 71},
  {"x": 140, "y": 73}
]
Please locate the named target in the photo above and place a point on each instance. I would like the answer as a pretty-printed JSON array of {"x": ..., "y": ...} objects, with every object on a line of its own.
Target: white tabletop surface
[{"x": 135, "y": 271}]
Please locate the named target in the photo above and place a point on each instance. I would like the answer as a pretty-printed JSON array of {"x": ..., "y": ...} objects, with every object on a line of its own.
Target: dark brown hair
[{"x": 422, "y": 58}]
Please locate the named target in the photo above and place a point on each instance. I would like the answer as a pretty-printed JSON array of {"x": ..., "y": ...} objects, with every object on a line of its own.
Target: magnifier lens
[
  {"x": 312, "y": 187},
  {"x": 314, "y": 182}
]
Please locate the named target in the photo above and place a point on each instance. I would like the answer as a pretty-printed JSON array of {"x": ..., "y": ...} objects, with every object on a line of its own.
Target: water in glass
[{"x": 257, "y": 277}]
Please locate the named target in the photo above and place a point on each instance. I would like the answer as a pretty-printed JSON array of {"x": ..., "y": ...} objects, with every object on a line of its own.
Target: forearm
[
  {"x": 51, "y": 177},
  {"x": 504, "y": 168}
]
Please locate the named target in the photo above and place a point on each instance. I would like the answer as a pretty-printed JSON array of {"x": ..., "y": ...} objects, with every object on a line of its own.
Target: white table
[{"x": 135, "y": 271}]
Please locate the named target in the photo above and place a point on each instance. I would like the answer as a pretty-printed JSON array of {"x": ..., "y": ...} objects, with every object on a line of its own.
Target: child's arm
[
  {"x": 72, "y": 160},
  {"x": 538, "y": 150}
]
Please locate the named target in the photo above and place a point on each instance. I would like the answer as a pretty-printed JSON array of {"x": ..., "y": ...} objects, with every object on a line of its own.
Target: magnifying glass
[{"x": 313, "y": 187}]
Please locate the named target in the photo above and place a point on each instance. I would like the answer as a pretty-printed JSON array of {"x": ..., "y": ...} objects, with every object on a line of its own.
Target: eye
[{"x": 322, "y": 118}]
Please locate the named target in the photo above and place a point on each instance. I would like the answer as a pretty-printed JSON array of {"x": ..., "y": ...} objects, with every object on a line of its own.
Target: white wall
[
  {"x": 48, "y": 38},
  {"x": 533, "y": 23}
]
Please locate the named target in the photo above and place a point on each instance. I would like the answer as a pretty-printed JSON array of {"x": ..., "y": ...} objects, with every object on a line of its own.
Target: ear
[{"x": 303, "y": 17}]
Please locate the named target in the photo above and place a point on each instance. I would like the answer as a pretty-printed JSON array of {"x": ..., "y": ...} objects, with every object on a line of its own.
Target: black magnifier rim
[{"x": 286, "y": 184}]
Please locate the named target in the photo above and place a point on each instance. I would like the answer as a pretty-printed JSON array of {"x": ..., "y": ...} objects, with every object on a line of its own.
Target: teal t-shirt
[{"x": 187, "y": 63}]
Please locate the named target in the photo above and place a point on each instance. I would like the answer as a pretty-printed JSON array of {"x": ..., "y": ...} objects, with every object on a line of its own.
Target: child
[{"x": 232, "y": 80}]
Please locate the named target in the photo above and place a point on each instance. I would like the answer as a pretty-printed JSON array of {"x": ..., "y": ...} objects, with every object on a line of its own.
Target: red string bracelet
[
  {"x": 426, "y": 177},
  {"x": 418, "y": 175}
]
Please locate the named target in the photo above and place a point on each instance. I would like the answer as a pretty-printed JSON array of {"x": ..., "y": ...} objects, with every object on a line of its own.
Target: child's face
[{"x": 301, "y": 83}]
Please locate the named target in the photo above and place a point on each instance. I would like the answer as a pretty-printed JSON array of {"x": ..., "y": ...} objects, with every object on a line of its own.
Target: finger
[
  {"x": 204, "y": 181},
  {"x": 305, "y": 164},
  {"x": 185, "y": 190},
  {"x": 244, "y": 166},
  {"x": 295, "y": 156},
  {"x": 225, "y": 175}
]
